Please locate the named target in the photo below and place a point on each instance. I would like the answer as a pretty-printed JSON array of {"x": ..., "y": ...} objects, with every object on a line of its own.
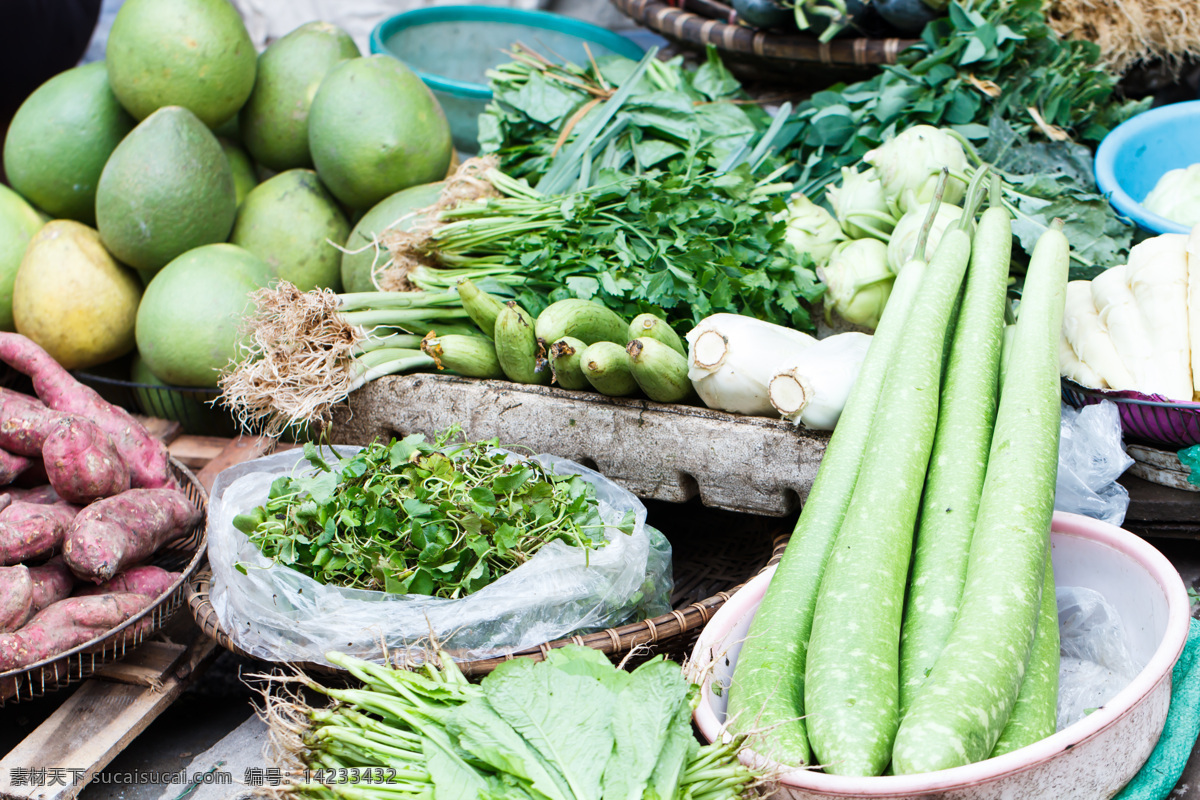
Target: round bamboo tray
[
  {"x": 760, "y": 53},
  {"x": 183, "y": 554},
  {"x": 709, "y": 568}
]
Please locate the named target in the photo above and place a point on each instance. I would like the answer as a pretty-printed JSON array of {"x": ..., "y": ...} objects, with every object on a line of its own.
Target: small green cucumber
[
  {"x": 584, "y": 320},
  {"x": 517, "y": 346},
  {"x": 606, "y": 367},
  {"x": 648, "y": 326},
  {"x": 480, "y": 306},
  {"x": 565, "y": 366},
  {"x": 659, "y": 371},
  {"x": 472, "y": 356}
]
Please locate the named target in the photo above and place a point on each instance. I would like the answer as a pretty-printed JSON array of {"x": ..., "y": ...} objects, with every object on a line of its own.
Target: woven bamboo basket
[
  {"x": 709, "y": 566},
  {"x": 184, "y": 554},
  {"x": 755, "y": 53}
]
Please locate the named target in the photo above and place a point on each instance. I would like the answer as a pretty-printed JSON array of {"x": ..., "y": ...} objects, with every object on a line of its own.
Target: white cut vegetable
[
  {"x": 1158, "y": 277},
  {"x": 732, "y": 358},
  {"x": 1090, "y": 340},
  {"x": 1193, "y": 303},
  {"x": 1071, "y": 367},
  {"x": 1176, "y": 196},
  {"x": 813, "y": 390},
  {"x": 1119, "y": 313}
]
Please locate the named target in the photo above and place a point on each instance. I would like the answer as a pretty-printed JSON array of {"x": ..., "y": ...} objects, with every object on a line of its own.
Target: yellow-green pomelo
[
  {"x": 245, "y": 177},
  {"x": 191, "y": 313},
  {"x": 289, "y": 221},
  {"x": 73, "y": 298},
  {"x": 18, "y": 223},
  {"x": 187, "y": 408},
  {"x": 167, "y": 188},
  {"x": 274, "y": 121},
  {"x": 374, "y": 128},
  {"x": 191, "y": 53},
  {"x": 395, "y": 212},
  {"x": 60, "y": 138}
]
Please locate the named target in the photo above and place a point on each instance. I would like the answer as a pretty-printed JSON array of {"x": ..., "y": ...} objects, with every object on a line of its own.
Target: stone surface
[{"x": 664, "y": 452}]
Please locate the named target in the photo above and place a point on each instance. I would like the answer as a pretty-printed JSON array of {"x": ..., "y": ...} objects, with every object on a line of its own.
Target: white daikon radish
[
  {"x": 1158, "y": 277},
  {"x": 1071, "y": 367},
  {"x": 812, "y": 391},
  {"x": 1120, "y": 315},
  {"x": 1090, "y": 340},
  {"x": 732, "y": 358},
  {"x": 1193, "y": 302}
]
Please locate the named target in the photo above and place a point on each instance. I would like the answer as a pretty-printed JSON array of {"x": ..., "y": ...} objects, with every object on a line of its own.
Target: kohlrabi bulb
[
  {"x": 858, "y": 281},
  {"x": 811, "y": 229},
  {"x": 860, "y": 205},
  {"x": 913, "y": 160},
  {"x": 903, "y": 244}
]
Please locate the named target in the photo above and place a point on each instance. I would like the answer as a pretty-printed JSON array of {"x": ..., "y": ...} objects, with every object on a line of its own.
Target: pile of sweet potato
[{"x": 86, "y": 496}]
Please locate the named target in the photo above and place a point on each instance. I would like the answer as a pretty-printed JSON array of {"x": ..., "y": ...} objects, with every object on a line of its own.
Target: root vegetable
[
  {"x": 113, "y": 533},
  {"x": 148, "y": 580},
  {"x": 145, "y": 455},
  {"x": 12, "y": 465},
  {"x": 65, "y": 625},
  {"x": 16, "y": 597},
  {"x": 82, "y": 463},
  {"x": 52, "y": 582},
  {"x": 29, "y": 530},
  {"x": 24, "y": 423},
  {"x": 41, "y": 495},
  {"x": 813, "y": 386}
]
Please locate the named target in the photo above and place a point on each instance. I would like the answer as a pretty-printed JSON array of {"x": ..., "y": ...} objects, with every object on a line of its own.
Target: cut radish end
[{"x": 709, "y": 351}]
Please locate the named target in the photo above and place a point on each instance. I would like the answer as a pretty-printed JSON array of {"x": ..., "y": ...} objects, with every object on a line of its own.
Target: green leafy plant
[{"x": 413, "y": 517}]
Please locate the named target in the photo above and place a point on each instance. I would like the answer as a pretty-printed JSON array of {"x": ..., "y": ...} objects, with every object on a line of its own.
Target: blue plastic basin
[
  {"x": 451, "y": 48},
  {"x": 1139, "y": 151}
]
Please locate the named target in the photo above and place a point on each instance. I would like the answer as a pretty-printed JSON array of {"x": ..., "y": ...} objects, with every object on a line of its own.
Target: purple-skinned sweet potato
[
  {"x": 145, "y": 455},
  {"x": 82, "y": 463},
  {"x": 67, "y": 624},
  {"x": 24, "y": 423},
  {"x": 24, "y": 591},
  {"x": 16, "y": 597},
  {"x": 30, "y": 530},
  {"x": 41, "y": 495},
  {"x": 116, "y": 532},
  {"x": 12, "y": 465},
  {"x": 147, "y": 579}
]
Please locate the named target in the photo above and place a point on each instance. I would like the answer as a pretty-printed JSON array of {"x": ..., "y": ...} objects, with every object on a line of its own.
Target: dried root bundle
[{"x": 1130, "y": 32}]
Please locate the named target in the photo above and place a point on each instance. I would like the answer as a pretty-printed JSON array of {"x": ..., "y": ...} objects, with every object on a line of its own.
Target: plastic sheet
[
  {"x": 1096, "y": 661},
  {"x": 276, "y": 613},
  {"x": 1090, "y": 459}
]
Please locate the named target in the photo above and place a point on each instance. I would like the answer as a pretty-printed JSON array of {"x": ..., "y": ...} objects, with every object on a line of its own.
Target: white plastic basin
[{"x": 1089, "y": 760}]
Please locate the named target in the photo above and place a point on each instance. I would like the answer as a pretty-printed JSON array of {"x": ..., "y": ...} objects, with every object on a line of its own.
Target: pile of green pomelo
[{"x": 156, "y": 190}]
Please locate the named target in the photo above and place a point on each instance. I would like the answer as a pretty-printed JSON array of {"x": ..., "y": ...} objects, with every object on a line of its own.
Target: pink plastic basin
[{"x": 1089, "y": 760}]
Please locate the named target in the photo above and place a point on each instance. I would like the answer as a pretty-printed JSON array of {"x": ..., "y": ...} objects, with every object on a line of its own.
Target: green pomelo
[
  {"x": 60, "y": 138},
  {"x": 167, "y": 188},
  {"x": 292, "y": 223},
  {"x": 19, "y": 221},
  {"x": 191, "y": 53},
  {"x": 361, "y": 258},
  {"x": 189, "y": 409},
  {"x": 245, "y": 177},
  {"x": 72, "y": 298},
  {"x": 274, "y": 121},
  {"x": 374, "y": 128},
  {"x": 189, "y": 322}
]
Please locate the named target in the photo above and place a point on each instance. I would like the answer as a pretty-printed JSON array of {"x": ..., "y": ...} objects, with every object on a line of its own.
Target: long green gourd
[
  {"x": 766, "y": 696},
  {"x": 851, "y": 684},
  {"x": 965, "y": 703},
  {"x": 1035, "y": 715},
  {"x": 959, "y": 460}
]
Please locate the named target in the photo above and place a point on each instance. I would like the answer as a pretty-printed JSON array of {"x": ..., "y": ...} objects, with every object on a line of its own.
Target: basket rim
[
  {"x": 114, "y": 634},
  {"x": 610, "y": 641},
  {"x": 126, "y": 384},
  {"x": 1119, "y": 397},
  {"x": 669, "y": 19}
]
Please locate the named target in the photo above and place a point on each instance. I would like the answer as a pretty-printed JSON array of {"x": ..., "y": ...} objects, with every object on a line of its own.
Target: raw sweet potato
[
  {"x": 42, "y": 495},
  {"x": 67, "y": 624},
  {"x": 81, "y": 461},
  {"x": 16, "y": 597},
  {"x": 148, "y": 580},
  {"x": 52, "y": 581},
  {"x": 29, "y": 530},
  {"x": 113, "y": 533},
  {"x": 12, "y": 465},
  {"x": 145, "y": 455},
  {"x": 24, "y": 423}
]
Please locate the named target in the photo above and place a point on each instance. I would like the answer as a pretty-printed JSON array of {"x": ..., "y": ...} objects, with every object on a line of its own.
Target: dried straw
[
  {"x": 296, "y": 360},
  {"x": 1131, "y": 32}
]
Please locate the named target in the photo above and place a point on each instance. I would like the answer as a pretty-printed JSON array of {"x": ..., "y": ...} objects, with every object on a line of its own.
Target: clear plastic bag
[
  {"x": 278, "y": 614},
  {"x": 1096, "y": 661},
  {"x": 1090, "y": 459}
]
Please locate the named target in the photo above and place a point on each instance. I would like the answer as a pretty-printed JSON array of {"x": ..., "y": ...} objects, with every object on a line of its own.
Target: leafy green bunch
[{"x": 410, "y": 517}]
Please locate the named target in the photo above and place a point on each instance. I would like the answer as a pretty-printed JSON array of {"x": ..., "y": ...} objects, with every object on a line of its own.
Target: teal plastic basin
[{"x": 451, "y": 48}]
